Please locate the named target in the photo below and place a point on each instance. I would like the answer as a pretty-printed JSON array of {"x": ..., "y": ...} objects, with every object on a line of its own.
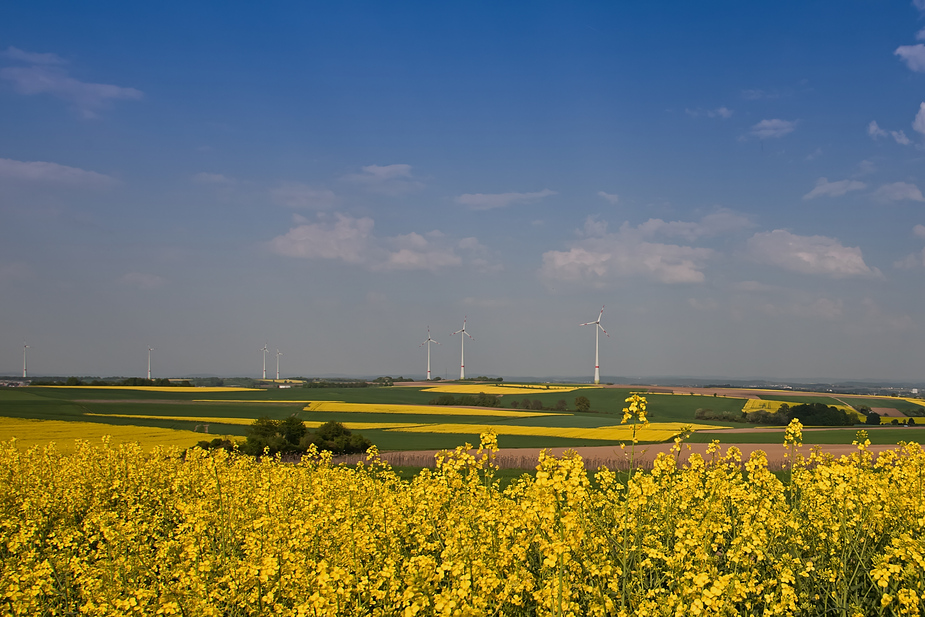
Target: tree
[
  {"x": 561, "y": 405},
  {"x": 337, "y": 438},
  {"x": 537, "y": 405},
  {"x": 873, "y": 418},
  {"x": 582, "y": 403}
]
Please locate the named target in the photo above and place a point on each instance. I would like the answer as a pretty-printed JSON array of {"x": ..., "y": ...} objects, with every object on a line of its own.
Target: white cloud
[
  {"x": 14, "y": 53},
  {"x": 386, "y": 179},
  {"x": 208, "y": 178},
  {"x": 303, "y": 196},
  {"x": 487, "y": 201},
  {"x": 919, "y": 4},
  {"x": 773, "y": 128},
  {"x": 918, "y": 125},
  {"x": 910, "y": 261},
  {"x": 833, "y": 189},
  {"x": 720, "y": 222},
  {"x": 44, "y": 172},
  {"x": 142, "y": 280},
  {"x": 347, "y": 239},
  {"x": 416, "y": 252},
  {"x": 874, "y": 130},
  {"x": 88, "y": 98},
  {"x": 898, "y": 191},
  {"x": 866, "y": 167},
  {"x": 352, "y": 241},
  {"x": 919, "y": 231},
  {"x": 913, "y": 56},
  {"x": 808, "y": 254},
  {"x": 600, "y": 257},
  {"x": 920, "y": 35},
  {"x": 613, "y": 198}
]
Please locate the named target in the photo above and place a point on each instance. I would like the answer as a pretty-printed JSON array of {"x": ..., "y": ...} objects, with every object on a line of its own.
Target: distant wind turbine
[
  {"x": 462, "y": 357},
  {"x": 24, "y": 348},
  {"x": 264, "y": 350},
  {"x": 428, "y": 342},
  {"x": 598, "y": 328},
  {"x": 278, "y": 354},
  {"x": 150, "y": 349}
]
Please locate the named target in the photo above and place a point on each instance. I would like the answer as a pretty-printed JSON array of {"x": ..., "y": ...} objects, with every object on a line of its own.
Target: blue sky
[{"x": 739, "y": 183}]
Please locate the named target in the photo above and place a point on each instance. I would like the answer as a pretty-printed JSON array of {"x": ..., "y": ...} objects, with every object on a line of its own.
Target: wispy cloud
[
  {"x": 19, "y": 55},
  {"x": 818, "y": 255},
  {"x": 386, "y": 179},
  {"x": 824, "y": 188},
  {"x": 913, "y": 56},
  {"x": 874, "y": 130},
  {"x": 773, "y": 128},
  {"x": 613, "y": 198},
  {"x": 918, "y": 124},
  {"x": 46, "y": 78},
  {"x": 721, "y": 222},
  {"x": 488, "y": 201},
  {"x": 303, "y": 196},
  {"x": 898, "y": 191},
  {"x": 52, "y": 173},
  {"x": 352, "y": 241}
]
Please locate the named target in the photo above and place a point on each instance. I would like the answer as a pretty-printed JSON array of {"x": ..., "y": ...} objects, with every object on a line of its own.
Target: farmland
[{"x": 400, "y": 418}]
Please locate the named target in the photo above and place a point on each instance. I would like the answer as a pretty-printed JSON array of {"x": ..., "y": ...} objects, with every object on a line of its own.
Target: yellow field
[
  {"x": 656, "y": 431},
  {"x": 464, "y": 388},
  {"x": 427, "y": 410},
  {"x": 754, "y": 404},
  {"x": 113, "y": 531},
  {"x": 156, "y": 388},
  {"x": 30, "y": 433}
]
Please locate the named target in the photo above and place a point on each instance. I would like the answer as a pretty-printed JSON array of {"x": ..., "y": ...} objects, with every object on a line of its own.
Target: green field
[{"x": 166, "y": 409}]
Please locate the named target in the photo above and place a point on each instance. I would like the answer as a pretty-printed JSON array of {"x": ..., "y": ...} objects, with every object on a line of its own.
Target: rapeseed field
[{"x": 112, "y": 530}]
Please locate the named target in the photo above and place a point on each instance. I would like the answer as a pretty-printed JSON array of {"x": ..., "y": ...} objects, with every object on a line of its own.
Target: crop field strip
[{"x": 401, "y": 419}]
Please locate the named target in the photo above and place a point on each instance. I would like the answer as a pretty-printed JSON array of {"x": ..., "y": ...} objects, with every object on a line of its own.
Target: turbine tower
[
  {"x": 598, "y": 328},
  {"x": 264, "y": 350},
  {"x": 24, "y": 348},
  {"x": 150, "y": 349},
  {"x": 428, "y": 342},
  {"x": 462, "y": 356},
  {"x": 278, "y": 354}
]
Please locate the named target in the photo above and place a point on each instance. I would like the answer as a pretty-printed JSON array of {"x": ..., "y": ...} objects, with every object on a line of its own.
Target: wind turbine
[
  {"x": 462, "y": 357},
  {"x": 24, "y": 348},
  {"x": 428, "y": 342},
  {"x": 150, "y": 349},
  {"x": 597, "y": 330},
  {"x": 278, "y": 354},
  {"x": 264, "y": 350}
]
